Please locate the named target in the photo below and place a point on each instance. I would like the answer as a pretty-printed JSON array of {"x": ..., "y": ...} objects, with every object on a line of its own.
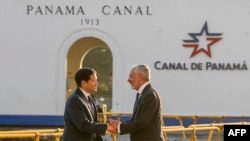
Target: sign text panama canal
[
  {"x": 208, "y": 66},
  {"x": 79, "y": 10}
]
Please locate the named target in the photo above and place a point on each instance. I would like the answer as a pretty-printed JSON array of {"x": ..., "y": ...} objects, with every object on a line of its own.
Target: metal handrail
[
  {"x": 57, "y": 133},
  {"x": 173, "y": 127},
  {"x": 219, "y": 125},
  {"x": 193, "y": 130},
  {"x": 36, "y": 134},
  {"x": 33, "y": 131}
]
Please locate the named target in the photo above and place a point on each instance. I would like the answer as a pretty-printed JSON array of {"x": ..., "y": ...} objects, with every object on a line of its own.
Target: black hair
[{"x": 83, "y": 74}]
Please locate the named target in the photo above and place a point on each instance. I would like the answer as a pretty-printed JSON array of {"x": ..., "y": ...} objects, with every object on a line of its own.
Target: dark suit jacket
[
  {"x": 80, "y": 124},
  {"x": 146, "y": 121}
]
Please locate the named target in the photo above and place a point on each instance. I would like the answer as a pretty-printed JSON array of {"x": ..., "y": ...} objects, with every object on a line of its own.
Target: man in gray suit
[
  {"x": 146, "y": 121},
  {"x": 80, "y": 113}
]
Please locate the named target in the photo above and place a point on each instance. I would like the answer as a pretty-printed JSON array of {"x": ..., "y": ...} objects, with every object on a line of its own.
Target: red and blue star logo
[{"x": 202, "y": 42}]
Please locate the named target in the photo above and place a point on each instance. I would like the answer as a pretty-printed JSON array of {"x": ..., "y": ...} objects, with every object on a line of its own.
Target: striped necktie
[{"x": 91, "y": 106}]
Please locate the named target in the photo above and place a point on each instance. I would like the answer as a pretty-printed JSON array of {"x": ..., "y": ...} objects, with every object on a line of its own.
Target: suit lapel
[
  {"x": 137, "y": 101},
  {"x": 85, "y": 103},
  {"x": 136, "y": 108}
]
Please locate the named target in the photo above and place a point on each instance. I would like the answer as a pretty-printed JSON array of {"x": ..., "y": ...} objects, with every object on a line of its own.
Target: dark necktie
[
  {"x": 137, "y": 100},
  {"x": 91, "y": 106}
]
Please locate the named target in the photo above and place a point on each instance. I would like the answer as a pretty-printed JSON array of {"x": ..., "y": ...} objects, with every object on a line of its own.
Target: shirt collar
[
  {"x": 142, "y": 87},
  {"x": 85, "y": 93}
]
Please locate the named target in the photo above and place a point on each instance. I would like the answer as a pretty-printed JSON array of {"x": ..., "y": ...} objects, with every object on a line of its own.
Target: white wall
[{"x": 33, "y": 46}]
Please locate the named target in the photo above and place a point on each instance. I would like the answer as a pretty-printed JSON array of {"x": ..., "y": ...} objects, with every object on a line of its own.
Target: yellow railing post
[
  {"x": 58, "y": 136},
  {"x": 210, "y": 135},
  {"x": 193, "y": 135},
  {"x": 181, "y": 124},
  {"x": 37, "y": 137}
]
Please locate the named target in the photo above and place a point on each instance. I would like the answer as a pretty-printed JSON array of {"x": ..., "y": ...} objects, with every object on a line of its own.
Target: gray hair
[{"x": 144, "y": 70}]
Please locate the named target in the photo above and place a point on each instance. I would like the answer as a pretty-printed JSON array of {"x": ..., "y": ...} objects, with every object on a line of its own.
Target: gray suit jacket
[
  {"x": 146, "y": 121},
  {"x": 80, "y": 124}
]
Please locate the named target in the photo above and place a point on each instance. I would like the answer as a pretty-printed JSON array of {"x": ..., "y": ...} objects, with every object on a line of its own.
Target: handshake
[{"x": 113, "y": 126}]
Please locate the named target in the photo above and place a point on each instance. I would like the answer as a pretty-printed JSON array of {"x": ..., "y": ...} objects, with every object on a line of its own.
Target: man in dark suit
[
  {"x": 80, "y": 113},
  {"x": 146, "y": 121}
]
